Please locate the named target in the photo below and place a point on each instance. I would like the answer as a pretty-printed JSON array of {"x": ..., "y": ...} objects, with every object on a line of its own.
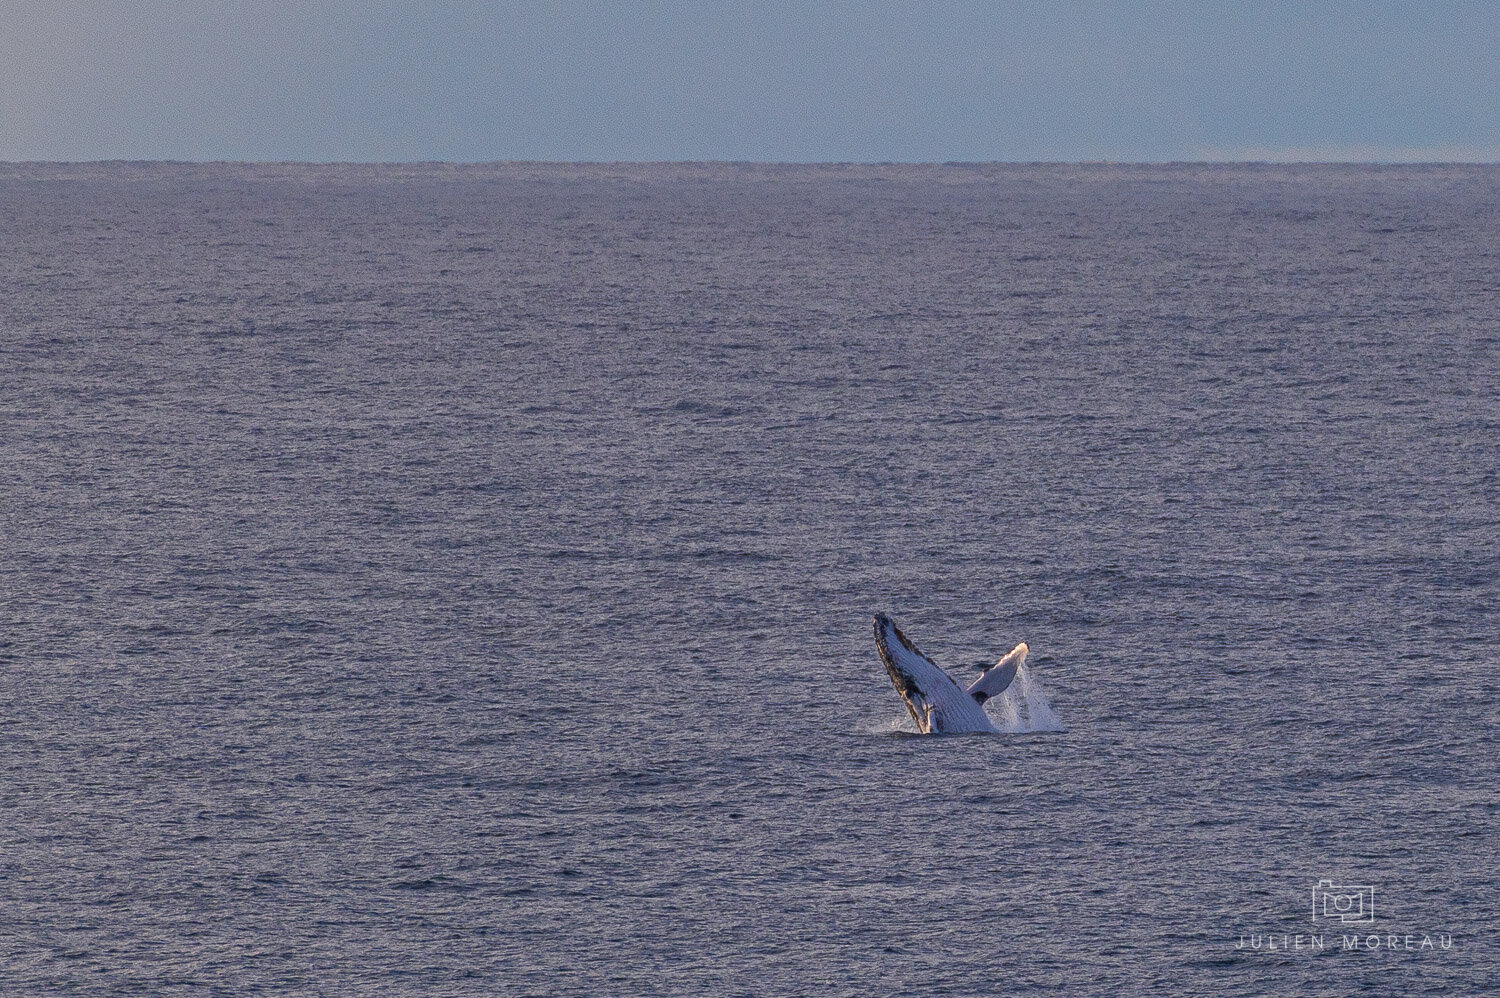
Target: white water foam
[
  {"x": 1024, "y": 706},
  {"x": 1003, "y": 710},
  {"x": 901, "y": 725}
]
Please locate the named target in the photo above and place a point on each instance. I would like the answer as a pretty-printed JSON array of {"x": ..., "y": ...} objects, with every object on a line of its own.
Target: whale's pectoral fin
[
  {"x": 1000, "y": 675},
  {"x": 909, "y": 670},
  {"x": 932, "y": 698}
]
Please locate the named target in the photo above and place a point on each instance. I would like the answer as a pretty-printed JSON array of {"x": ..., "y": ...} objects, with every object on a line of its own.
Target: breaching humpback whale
[{"x": 935, "y": 701}]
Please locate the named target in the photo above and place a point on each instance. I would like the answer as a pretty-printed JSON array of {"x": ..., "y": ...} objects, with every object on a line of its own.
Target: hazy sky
[{"x": 875, "y": 81}]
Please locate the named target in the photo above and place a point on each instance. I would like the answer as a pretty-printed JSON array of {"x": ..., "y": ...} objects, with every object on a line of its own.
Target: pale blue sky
[{"x": 379, "y": 81}]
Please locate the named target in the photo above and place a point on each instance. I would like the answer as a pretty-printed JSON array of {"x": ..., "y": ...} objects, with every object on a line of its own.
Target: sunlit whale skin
[{"x": 936, "y": 703}]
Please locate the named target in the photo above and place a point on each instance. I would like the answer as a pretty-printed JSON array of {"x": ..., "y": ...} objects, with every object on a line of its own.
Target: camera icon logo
[{"x": 1350, "y": 905}]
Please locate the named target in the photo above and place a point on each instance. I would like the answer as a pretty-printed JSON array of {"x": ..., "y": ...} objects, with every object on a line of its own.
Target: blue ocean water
[{"x": 458, "y": 580}]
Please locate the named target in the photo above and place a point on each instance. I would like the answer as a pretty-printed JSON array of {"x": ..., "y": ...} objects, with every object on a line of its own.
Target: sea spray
[
  {"x": 1024, "y": 706},
  {"x": 1038, "y": 710},
  {"x": 1004, "y": 711}
]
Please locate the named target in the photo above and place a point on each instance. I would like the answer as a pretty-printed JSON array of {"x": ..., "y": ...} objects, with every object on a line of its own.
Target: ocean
[{"x": 458, "y": 580}]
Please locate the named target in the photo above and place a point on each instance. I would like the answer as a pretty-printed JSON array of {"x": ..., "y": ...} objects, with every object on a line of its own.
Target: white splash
[
  {"x": 901, "y": 725},
  {"x": 1024, "y": 706},
  {"x": 1003, "y": 712}
]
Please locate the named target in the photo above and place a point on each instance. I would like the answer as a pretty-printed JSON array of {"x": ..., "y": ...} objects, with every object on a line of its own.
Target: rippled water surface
[{"x": 458, "y": 581}]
